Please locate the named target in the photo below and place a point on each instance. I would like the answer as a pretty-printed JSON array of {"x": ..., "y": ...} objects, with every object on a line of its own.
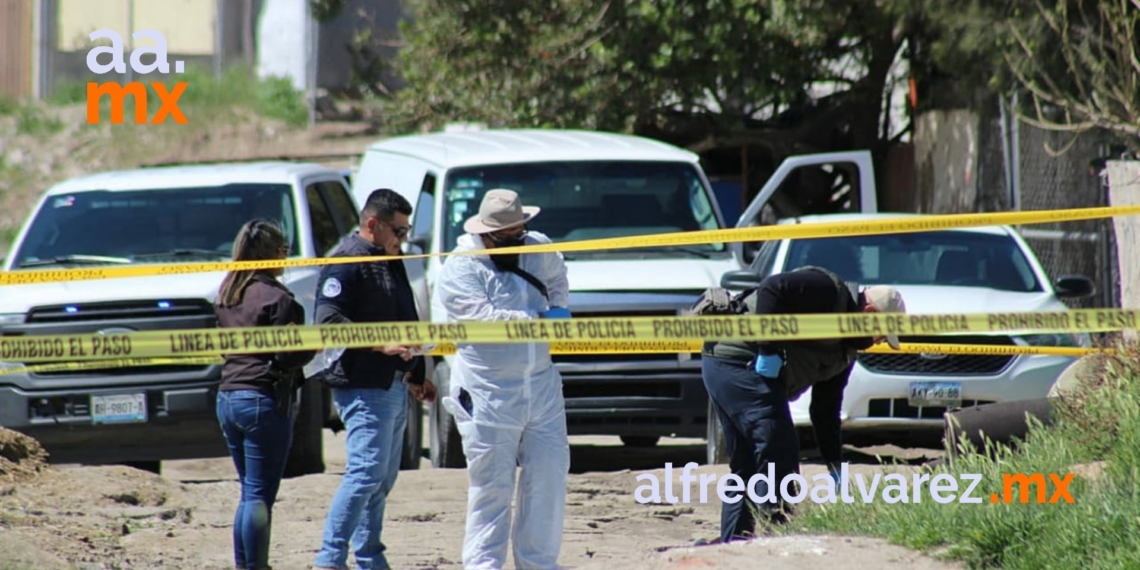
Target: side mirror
[
  {"x": 740, "y": 279},
  {"x": 1074, "y": 287},
  {"x": 421, "y": 242}
]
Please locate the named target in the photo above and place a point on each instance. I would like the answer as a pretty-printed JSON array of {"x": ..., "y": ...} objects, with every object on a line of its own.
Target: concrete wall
[
  {"x": 187, "y": 24},
  {"x": 1124, "y": 190}
]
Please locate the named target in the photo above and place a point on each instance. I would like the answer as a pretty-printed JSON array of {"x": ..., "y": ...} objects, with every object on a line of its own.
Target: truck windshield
[
  {"x": 153, "y": 225},
  {"x": 592, "y": 200},
  {"x": 954, "y": 258}
]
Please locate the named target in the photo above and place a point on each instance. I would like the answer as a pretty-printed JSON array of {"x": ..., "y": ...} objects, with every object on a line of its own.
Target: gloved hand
[
  {"x": 768, "y": 365},
  {"x": 835, "y": 476},
  {"x": 557, "y": 313}
]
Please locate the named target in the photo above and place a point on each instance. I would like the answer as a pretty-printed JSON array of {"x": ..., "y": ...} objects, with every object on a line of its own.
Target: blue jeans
[
  {"x": 374, "y": 420},
  {"x": 758, "y": 431},
  {"x": 259, "y": 437}
]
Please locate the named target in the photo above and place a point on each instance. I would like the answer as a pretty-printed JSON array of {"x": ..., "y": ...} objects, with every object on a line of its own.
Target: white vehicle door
[
  {"x": 332, "y": 216},
  {"x": 843, "y": 181}
]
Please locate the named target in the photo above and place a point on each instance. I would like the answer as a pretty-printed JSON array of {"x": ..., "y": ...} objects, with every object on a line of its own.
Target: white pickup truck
[
  {"x": 159, "y": 216},
  {"x": 595, "y": 185}
]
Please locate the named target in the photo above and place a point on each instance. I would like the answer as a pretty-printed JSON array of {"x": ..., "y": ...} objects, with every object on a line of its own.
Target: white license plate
[
  {"x": 935, "y": 394},
  {"x": 118, "y": 408}
]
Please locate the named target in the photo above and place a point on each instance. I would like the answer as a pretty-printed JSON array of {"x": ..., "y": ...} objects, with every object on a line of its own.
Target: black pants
[{"x": 758, "y": 431}]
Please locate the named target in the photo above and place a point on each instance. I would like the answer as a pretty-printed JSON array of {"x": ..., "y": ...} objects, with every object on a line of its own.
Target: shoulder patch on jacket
[{"x": 331, "y": 288}]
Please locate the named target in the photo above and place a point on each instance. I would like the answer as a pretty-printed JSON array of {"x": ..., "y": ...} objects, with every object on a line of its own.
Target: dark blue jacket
[{"x": 366, "y": 293}]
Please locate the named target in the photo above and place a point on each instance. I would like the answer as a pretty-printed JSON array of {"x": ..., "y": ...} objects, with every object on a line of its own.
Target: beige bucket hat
[
  {"x": 886, "y": 300},
  {"x": 501, "y": 209}
]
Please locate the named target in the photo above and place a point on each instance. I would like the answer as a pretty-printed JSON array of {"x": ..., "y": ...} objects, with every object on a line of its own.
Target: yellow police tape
[
  {"x": 35, "y": 349},
  {"x": 902, "y": 224},
  {"x": 589, "y": 348}
]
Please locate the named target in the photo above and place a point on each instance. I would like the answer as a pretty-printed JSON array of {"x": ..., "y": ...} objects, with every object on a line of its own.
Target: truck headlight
[
  {"x": 10, "y": 319},
  {"x": 7, "y": 319}
]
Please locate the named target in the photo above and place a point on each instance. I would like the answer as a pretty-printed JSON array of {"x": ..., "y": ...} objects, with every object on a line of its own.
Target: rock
[{"x": 21, "y": 457}]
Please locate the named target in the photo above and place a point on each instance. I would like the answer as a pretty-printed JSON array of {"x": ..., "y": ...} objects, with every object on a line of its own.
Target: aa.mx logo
[{"x": 117, "y": 93}]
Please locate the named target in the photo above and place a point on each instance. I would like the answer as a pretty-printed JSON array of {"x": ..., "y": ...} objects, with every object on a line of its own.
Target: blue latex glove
[
  {"x": 769, "y": 365},
  {"x": 557, "y": 313}
]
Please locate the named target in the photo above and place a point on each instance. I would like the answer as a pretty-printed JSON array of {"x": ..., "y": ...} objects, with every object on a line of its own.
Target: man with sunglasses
[
  {"x": 507, "y": 397},
  {"x": 368, "y": 384}
]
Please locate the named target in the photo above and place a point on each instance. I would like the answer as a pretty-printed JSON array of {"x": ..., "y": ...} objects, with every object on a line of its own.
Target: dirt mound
[{"x": 21, "y": 457}]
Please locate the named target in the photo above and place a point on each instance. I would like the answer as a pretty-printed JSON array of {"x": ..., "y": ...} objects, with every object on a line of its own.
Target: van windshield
[
  {"x": 152, "y": 226},
  {"x": 592, "y": 200}
]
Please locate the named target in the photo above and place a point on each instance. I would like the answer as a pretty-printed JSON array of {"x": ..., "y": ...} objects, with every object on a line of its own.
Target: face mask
[{"x": 506, "y": 262}]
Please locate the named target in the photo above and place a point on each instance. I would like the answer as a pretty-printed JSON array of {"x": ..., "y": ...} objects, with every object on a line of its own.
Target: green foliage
[
  {"x": 1100, "y": 530},
  {"x": 32, "y": 120},
  {"x": 8, "y": 106},
  {"x": 624, "y": 65},
  {"x": 1078, "y": 62},
  {"x": 68, "y": 92}
]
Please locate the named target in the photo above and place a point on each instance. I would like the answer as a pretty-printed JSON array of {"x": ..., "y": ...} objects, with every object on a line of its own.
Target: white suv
[
  {"x": 965, "y": 270},
  {"x": 159, "y": 216}
]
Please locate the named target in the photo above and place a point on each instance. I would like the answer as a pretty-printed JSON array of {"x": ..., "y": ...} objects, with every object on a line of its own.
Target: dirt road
[{"x": 119, "y": 518}]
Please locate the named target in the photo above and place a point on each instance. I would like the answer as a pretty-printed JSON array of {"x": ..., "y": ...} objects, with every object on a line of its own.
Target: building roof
[
  {"x": 450, "y": 149},
  {"x": 190, "y": 176}
]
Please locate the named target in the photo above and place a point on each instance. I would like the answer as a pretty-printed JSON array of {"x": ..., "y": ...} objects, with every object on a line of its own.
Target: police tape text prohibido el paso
[
  {"x": 698, "y": 237},
  {"x": 601, "y": 331}
]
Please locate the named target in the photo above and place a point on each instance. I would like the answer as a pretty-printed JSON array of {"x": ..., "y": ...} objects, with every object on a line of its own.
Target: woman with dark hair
[{"x": 257, "y": 392}]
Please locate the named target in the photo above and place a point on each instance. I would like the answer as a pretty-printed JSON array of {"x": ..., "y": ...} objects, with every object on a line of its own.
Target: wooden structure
[{"x": 16, "y": 45}]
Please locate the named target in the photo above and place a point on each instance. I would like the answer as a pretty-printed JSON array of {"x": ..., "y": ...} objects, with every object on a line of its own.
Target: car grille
[
  {"x": 942, "y": 365},
  {"x": 120, "y": 311},
  {"x": 901, "y": 408},
  {"x": 86, "y": 318}
]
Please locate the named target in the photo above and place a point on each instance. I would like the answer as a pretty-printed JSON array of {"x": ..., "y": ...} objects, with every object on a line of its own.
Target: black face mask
[{"x": 509, "y": 261}]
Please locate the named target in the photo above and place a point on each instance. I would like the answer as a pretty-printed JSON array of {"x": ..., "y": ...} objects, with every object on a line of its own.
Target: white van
[{"x": 589, "y": 185}]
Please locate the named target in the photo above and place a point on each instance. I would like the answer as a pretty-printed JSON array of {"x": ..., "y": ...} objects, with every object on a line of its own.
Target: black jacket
[
  {"x": 367, "y": 293},
  {"x": 264, "y": 303},
  {"x": 823, "y": 364}
]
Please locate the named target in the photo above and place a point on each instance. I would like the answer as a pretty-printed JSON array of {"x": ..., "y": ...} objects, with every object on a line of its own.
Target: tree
[
  {"x": 684, "y": 71},
  {"x": 1079, "y": 63}
]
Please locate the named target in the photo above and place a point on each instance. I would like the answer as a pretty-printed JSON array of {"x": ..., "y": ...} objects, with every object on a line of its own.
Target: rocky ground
[{"x": 114, "y": 517}]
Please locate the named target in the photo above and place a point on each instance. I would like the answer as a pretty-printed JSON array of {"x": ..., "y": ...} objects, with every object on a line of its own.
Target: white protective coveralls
[{"x": 518, "y": 410}]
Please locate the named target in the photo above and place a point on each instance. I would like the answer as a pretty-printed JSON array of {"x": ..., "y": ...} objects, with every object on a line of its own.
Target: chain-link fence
[{"x": 1054, "y": 172}]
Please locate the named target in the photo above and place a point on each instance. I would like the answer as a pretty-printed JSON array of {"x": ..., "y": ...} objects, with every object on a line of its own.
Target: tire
[
  {"x": 446, "y": 445},
  {"x": 640, "y": 440},
  {"x": 1003, "y": 424},
  {"x": 307, "y": 454},
  {"x": 413, "y": 436},
  {"x": 715, "y": 452}
]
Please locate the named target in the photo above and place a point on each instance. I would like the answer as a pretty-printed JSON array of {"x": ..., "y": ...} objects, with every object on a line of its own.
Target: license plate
[
  {"x": 118, "y": 408},
  {"x": 935, "y": 394}
]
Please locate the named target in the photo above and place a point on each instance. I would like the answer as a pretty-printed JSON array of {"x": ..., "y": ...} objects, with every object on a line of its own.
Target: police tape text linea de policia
[
  {"x": 582, "y": 347},
  {"x": 698, "y": 237},
  {"x": 199, "y": 342}
]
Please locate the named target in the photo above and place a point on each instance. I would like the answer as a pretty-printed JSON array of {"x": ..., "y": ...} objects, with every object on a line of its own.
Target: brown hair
[{"x": 256, "y": 240}]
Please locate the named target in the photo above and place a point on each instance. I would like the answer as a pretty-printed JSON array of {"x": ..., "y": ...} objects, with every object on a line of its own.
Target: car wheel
[
  {"x": 307, "y": 454},
  {"x": 446, "y": 445},
  {"x": 715, "y": 452},
  {"x": 413, "y": 436}
]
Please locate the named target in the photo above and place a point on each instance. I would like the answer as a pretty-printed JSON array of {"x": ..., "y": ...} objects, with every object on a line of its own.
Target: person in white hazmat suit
[{"x": 507, "y": 398}]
